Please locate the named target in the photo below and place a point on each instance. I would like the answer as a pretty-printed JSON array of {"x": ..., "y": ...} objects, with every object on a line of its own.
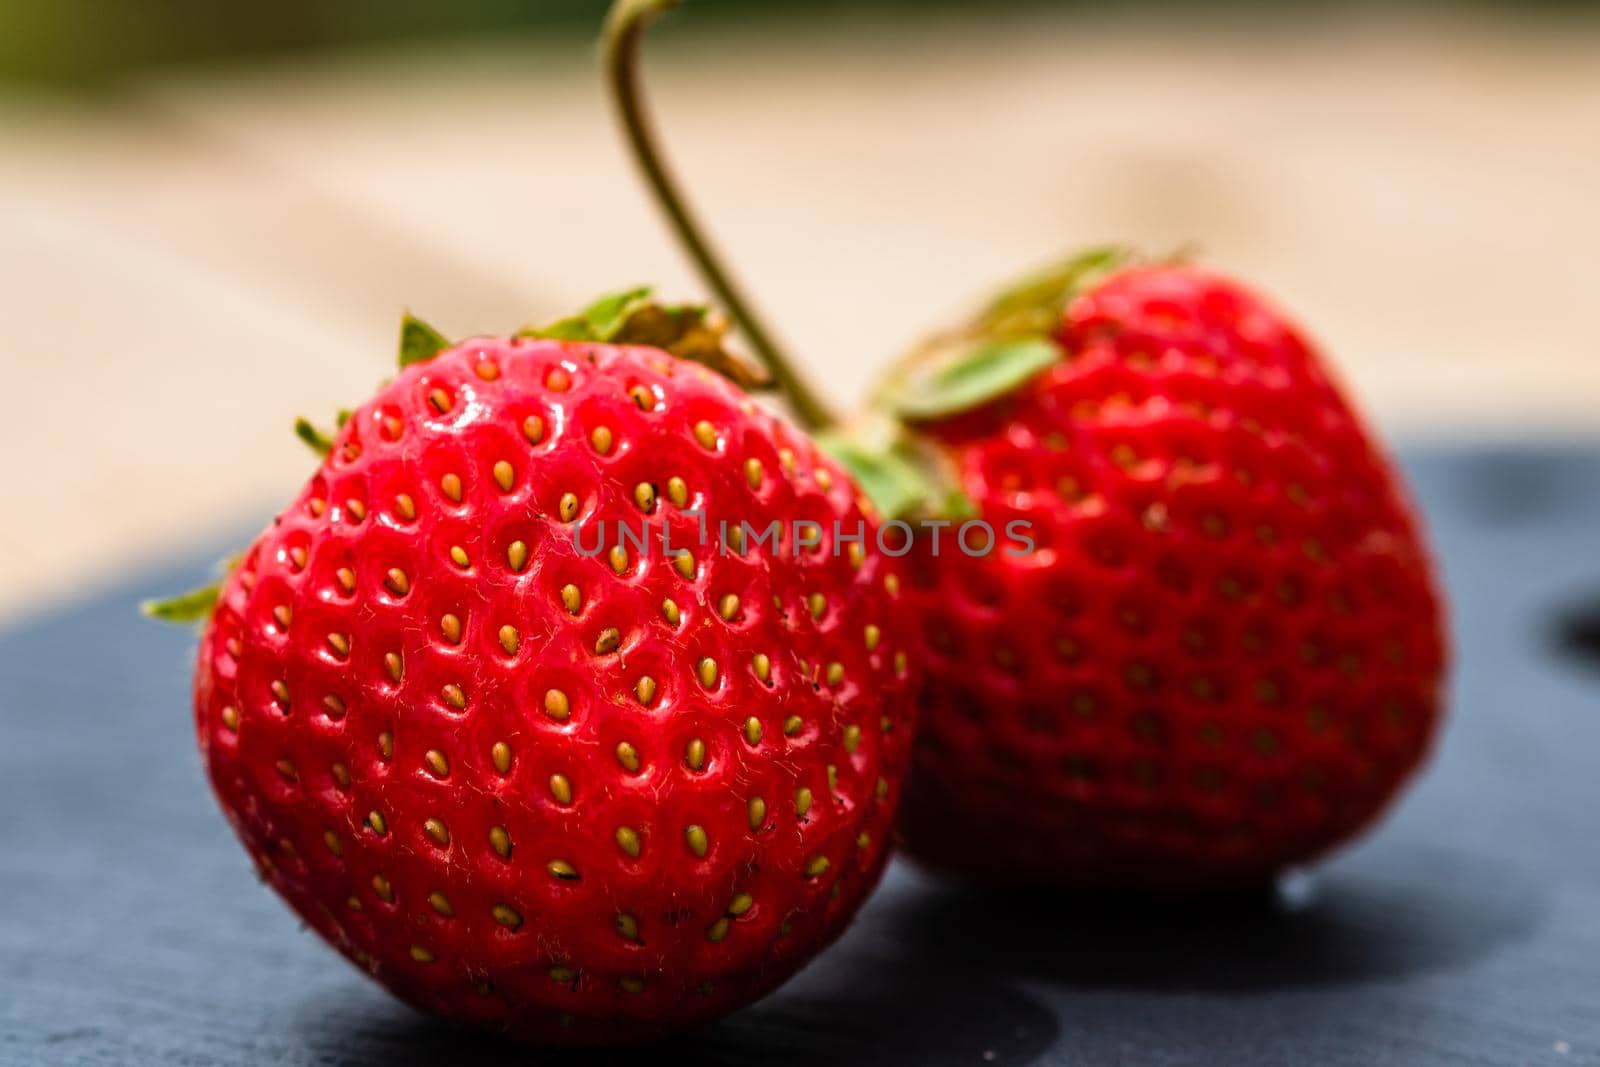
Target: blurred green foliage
[{"x": 89, "y": 42}]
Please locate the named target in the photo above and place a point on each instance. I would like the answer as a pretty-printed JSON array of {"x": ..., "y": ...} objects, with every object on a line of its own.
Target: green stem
[{"x": 619, "y": 49}]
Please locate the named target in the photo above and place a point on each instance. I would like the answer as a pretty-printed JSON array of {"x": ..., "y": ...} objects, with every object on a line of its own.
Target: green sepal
[
  {"x": 983, "y": 373},
  {"x": 631, "y": 317},
  {"x": 194, "y": 606},
  {"x": 601, "y": 321},
  {"x": 900, "y": 473},
  {"x": 571, "y": 328},
  {"x": 894, "y": 486},
  {"x": 419, "y": 342},
  {"x": 314, "y": 439},
  {"x": 1033, "y": 305},
  {"x": 956, "y": 505},
  {"x": 197, "y": 604},
  {"x": 1004, "y": 346}
]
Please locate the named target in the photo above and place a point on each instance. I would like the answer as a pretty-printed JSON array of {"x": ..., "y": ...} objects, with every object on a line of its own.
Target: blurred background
[{"x": 212, "y": 214}]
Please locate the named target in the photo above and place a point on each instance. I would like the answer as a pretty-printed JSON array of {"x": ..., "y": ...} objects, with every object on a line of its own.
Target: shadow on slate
[
  {"x": 1578, "y": 629},
  {"x": 1305, "y": 933},
  {"x": 942, "y": 981},
  {"x": 1465, "y": 931},
  {"x": 868, "y": 1012}
]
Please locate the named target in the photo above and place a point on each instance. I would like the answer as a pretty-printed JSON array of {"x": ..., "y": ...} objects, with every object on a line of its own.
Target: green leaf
[
  {"x": 197, "y": 604},
  {"x": 904, "y": 474},
  {"x": 1034, "y": 304},
  {"x": 571, "y": 328},
  {"x": 314, "y": 438},
  {"x": 957, "y": 505},
  {"x": 985, "y": 372},
  {"x": 419, "y": 342},
  {"x": 1000, "y": 349},
  {"x": 609, "y": 314},
  {"x": 601, "y": 321},
  {"x": 895, "y": 486},
  {"x": 191, "y": 607}
]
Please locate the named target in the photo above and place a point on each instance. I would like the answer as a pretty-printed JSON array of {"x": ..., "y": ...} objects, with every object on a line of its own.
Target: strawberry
[
  {"x": 503, "y": 725},
  {"x": 1221, "y": 654},
  {"x": 1177, "y": 625}
]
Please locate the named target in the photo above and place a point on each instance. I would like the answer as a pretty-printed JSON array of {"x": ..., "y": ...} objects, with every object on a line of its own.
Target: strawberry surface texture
[
  {"x": 1224, "y": 654},
  {"x": 524, "y": 770}
]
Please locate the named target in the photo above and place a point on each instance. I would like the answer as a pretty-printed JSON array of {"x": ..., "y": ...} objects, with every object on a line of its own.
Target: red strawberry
[
  {"x": 1191, "y": 636},
  {"x": 581, "y": 798},
  {"x": 1223, "y": 655}
]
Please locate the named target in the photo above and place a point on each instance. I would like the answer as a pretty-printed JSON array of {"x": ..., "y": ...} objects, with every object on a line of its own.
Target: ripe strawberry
[
  {"x": 1197, "y": 639},
  {"x": 579, "y": 796},
  {"x": 1223, "y": 655}
]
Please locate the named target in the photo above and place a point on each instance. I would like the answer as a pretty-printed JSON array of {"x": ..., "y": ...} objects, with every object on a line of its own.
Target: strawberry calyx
[
  {"x": 958, "y": 374},
  {"x": 1035, "y": 303},
  {"x": 194, "y": 606},
  {"x": 632, "y": 317},
  {"x": 691, "y": 332},
  {"x": 314, "y": 438},
  {"x": 902, "y": 473},
  {"x": 419, "y": 342},
  {"x": 629, "y": 317},
  {"x": 184, "y": 609},
  {"x": 1003, "y": 347},
  {"x": 1000, "y": 349}
]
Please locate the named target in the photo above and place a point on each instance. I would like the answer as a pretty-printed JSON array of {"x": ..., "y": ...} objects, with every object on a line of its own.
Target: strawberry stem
[{"x": 619, "y": 49}]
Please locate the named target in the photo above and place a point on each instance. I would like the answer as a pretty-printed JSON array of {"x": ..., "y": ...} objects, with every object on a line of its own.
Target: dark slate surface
[{"x": 1467, "y": 931}]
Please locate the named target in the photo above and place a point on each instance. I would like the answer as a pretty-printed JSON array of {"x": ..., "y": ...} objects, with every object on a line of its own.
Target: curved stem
[{"x": 619, "y": 50}]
